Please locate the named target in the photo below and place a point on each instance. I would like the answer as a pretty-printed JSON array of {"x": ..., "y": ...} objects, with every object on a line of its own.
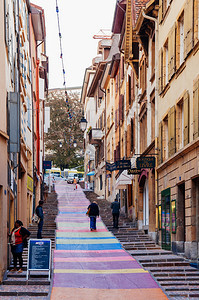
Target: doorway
[
  {"x": 146, "y": 204},
  {"x": 165, "y": 219}
]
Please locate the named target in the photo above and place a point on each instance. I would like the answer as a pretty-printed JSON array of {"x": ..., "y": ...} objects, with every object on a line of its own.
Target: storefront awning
[
  {"x": 123, "y": 180},
  {"x": 91, "y": 173}
]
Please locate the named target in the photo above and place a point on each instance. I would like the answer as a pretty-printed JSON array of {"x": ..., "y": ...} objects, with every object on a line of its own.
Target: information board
[{"x": 39, "y": 255}]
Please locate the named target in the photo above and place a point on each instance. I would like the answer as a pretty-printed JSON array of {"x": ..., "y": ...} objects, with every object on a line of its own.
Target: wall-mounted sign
[
  {"x": 30, "y": 183},
  {"x": 118, "y": 165},
  {"x": 145, "y": 162},
  {"x": 47, "y": 164},
  {"x": 134, "y": 171}
]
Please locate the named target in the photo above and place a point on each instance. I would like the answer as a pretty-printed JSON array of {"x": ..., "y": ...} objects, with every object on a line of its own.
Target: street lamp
[
  {"x": 83, "y": 124},
  {"x": 60, "y": 145},
  {"x": 75, "y": 144}
]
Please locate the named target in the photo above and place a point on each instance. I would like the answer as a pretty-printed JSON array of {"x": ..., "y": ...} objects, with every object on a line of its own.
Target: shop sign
[
  {"x": 30, "y": 183},
  {"x": 134, "y": 171},
  {"x": 145, "y": 162},
  {"x": 118, "y": 165},
  {"x": 47, "y": 164}
]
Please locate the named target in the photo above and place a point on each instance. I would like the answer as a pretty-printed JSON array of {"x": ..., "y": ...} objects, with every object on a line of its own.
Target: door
[
  {"x": 146, "y": 204},
  {"x": 165, "y": 218}
]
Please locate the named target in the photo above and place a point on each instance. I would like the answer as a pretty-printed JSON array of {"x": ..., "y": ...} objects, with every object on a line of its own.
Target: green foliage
[{"x": 64, "y": 131}]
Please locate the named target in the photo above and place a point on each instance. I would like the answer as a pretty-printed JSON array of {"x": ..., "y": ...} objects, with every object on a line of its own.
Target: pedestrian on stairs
[
  {"x": 93, "y": 213},
  {"x": 18, "y": 240},
  {"x": 40, "y": 213},
  {"x": 115, "y": 206}
]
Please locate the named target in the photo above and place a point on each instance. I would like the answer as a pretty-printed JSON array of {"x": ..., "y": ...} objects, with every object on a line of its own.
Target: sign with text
[
  {"x": 47, "y": 164},
  {"x": 134, "y": 171},
  {"x": 145, "y": 162},
  {"x": 39, "y": 255},
  {"x": 118, "y": 165}
]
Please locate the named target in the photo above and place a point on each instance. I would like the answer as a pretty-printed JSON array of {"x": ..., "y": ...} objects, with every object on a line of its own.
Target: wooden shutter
[
  {"x": 160, "y": 144},
  {"x": 132, "y": 86},
  {"x": 172, "y": 51},
  {"x": 127, "y": 95},
  {"x": 196, "y": 109},
  {"x": 160, "y": 10},
  {"x": 172, "y": 130},
  {"x": 186, "y": 118},
  {"x": 196, "y": 17},
  {"x": 188, "y": 27},
  {"x": 160, "y": 71}
]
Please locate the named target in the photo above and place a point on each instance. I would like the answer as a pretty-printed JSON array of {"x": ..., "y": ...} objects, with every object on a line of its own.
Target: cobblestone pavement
[{"x": 93, "y": 264}]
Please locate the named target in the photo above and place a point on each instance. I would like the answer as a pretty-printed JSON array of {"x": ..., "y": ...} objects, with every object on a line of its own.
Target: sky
[{"x": 79, "y": 21}]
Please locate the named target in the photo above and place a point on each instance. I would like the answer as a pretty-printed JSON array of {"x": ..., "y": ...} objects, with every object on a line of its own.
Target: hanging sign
[
  {"x": 134, "y": 171},
  {"x": 145, "y": 162},
  {"x": 118, "y": 165}
]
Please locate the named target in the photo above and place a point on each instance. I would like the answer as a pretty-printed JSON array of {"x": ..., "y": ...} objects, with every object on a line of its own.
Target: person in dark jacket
[
  {"x": 39, "y": 212},
  {"x": 93, "y": 213},
  {"x": 18, "y": 240},
  {"x": 115, "y": 206}
]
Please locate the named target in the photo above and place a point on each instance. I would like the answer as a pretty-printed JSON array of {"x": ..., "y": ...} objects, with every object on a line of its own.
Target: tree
[{"x": 65, "y": 115}]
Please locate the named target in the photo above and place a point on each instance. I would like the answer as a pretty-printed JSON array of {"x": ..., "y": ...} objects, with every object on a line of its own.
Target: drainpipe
[
  {"x": 156, "y": 98},
  {"x": 37, "y": 118}
]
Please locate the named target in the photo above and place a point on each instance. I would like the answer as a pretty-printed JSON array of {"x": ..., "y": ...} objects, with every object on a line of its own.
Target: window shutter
[
  {"x": 188, "y": 27},
  {"x": 160, "y": 10},
  {"x": 172, "y": 130},
  {"x": 121, "y": 108},
  {"x": 160, "y": 71},
  {"x": 186, "y": 118},
  {"x": 160, "y": 144},
  {"x": 172, "y": 51},
  {"x": 196, "y": 19},
  {"x": 132, "y": 86},
  {"x": 196, "y": 110},
  {"x": 128, "y": 95}
]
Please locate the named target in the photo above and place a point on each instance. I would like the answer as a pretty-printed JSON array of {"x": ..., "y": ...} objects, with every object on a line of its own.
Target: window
[
  {"x": 171, "y": 131},
  {"x": 143, "y": 126},
  {"x": 143, "y": 75}
]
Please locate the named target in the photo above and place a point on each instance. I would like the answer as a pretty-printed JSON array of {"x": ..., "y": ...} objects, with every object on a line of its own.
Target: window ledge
[
  {"x": 180, "y": 69},
  {"x": 165, "y": 90}
]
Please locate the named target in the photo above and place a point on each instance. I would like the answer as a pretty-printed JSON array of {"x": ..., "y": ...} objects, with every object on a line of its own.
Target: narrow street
[{"x": 93, "y": 265}]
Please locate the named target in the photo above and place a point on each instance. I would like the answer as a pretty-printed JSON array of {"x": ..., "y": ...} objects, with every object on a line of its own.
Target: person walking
[
  {"x": 115, "y": 206},
  {"x": 40, "y": 214},
  {"x": 93, "y": 213},
  {"x": 75, "y": 183},
  {"x": 18, "y": 240}
]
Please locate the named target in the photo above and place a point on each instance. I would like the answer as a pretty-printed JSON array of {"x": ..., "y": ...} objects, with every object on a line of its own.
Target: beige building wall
[{"x": 178, "y": 169}]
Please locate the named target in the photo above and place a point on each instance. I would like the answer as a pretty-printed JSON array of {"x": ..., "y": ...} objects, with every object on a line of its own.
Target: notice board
[{"x": 39, "y": 255}]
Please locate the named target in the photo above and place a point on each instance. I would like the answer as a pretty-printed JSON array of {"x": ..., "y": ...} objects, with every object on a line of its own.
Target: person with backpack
[
  {"x": 18, "y": 241},
  {"x": 40, "y": 214},
  {"x": 93, "y": 213}
]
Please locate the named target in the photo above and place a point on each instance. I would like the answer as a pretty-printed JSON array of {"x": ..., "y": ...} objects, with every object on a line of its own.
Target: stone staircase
[
  {"x": 15, "y": 285},
  {"x": 172, "y": 272}
]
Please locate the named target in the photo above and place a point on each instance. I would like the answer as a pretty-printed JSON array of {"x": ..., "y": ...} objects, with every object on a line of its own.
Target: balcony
[{"x": 95, "y": 136}]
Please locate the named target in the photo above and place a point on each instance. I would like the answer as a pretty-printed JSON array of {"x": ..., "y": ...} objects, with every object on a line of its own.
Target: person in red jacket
[{"x": 18, "y": 239}]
